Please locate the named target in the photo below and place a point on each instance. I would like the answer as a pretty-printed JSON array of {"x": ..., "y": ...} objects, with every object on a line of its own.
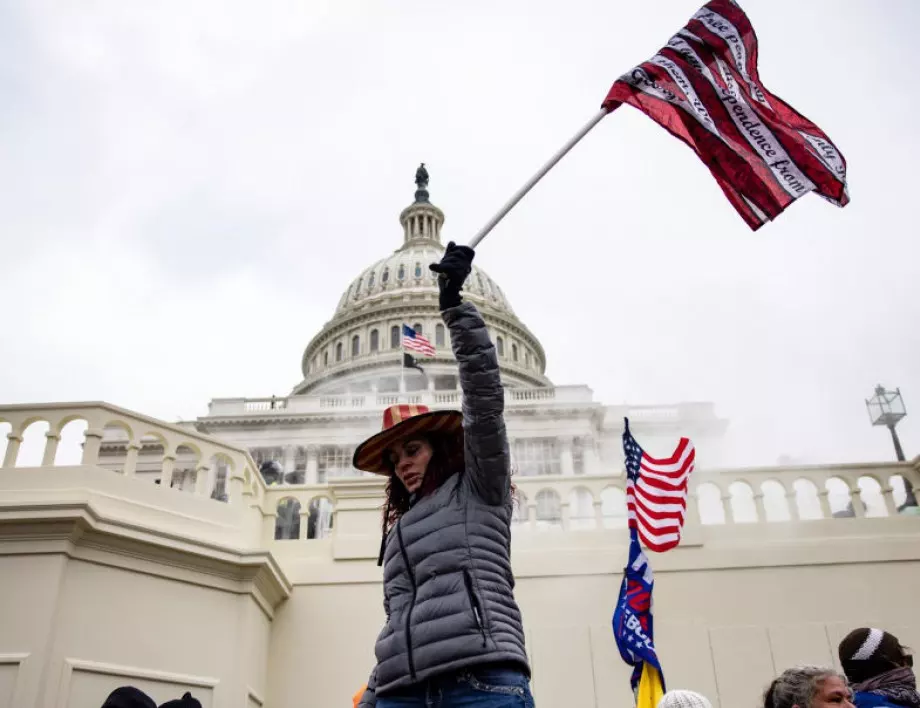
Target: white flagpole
[
  {"x": 585, "y": 129},
  {"x": 402, "y": 366}
]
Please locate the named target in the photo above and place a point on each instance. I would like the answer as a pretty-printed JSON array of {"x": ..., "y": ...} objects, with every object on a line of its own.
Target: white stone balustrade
[
  {"x": 379, "y": 401},
  {"x": 739, "y": 498},
  {"x": 134, "y": 431}
]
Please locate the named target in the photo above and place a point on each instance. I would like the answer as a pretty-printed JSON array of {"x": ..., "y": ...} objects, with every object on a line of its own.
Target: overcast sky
[{"x": 186, "y": 188}]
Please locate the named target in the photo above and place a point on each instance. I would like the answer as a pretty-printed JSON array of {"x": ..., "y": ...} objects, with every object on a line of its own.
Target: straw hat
[{"x": 401, "y": 422}]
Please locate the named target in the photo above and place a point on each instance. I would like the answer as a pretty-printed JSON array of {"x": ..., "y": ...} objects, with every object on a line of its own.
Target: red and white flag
[
  {"x": 656, "y": 492},
  {"x": 704, "y": 88}
]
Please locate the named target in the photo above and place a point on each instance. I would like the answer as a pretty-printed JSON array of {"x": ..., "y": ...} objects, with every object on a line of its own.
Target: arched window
[
  {"x": 385, "y": 276},
  {"x": 325, "y": 358},
  {"x": 375, "y": 340},
  {"x": 549, "y": 508},
  {"x": 500, "y": 346},
  {"x": 439, "y": 335},
  {"x": 371, "y": 279},
  {"x": 358, "y": 286},
  {"x": 418, "y": 270},
  {"x": 613, "y": 508},
  {"x": 319, "y": 520},
  {"x": 338, "y": 352},
  {"x": 355, "y": 345},
  {"x": 581, "y": 509},
  {"x": 287, "y": 520},
  {"x": 401, "y": 273},
  {"x": 710, "y": 504},
  {"x": 417, "y": 327},
  {"x": 514, "y": 356},
  {"x": 394, "y": 337}
]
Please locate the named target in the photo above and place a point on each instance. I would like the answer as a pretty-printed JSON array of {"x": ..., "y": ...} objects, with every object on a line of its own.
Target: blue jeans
[{"x": 472, "y": 688}]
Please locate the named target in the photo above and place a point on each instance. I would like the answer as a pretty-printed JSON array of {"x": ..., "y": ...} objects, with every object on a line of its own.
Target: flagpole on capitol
[
  {"x": 402, "y": 365},
  {"x": 541, "y": 173}
]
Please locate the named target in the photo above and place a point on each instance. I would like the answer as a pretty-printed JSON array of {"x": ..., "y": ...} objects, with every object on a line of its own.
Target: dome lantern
[{"x": 422, "y": 220}]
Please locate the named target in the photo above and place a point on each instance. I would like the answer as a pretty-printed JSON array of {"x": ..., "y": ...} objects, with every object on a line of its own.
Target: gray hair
[{"x": 797, "y": 686}]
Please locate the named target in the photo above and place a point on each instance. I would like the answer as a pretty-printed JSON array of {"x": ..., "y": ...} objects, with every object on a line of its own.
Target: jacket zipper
[
  {"x": 474, "y": 603},
  {"x": 405, "y": 555}
]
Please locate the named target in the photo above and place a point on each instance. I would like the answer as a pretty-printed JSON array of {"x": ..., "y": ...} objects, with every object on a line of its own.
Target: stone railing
[
  {"x": 135, "y": 432},
  {"x": 228, "y": 407},
  {"x": 575, "y": 503}
]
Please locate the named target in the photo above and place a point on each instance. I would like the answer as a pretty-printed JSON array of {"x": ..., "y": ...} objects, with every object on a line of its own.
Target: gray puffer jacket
[{"x": 447, "y": 582}]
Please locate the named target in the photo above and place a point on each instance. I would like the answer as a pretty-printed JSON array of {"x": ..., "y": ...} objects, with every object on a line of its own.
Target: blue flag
[{"x": 632, "y": 626}]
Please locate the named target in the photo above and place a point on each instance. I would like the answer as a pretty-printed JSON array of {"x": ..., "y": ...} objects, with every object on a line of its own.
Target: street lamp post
[{"x": 887, "y": 408}]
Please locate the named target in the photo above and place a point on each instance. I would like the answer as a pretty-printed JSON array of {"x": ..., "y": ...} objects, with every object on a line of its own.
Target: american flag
[
  {"x": 415, "y": 342},
  {"x": 656, "y": 492}
]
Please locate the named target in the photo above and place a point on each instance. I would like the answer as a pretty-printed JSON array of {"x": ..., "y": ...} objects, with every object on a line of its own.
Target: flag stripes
[
  {"x": 415, "y": 342},
  {"x": 704, "y": 88},
  {"x": 656, "y": 492}
]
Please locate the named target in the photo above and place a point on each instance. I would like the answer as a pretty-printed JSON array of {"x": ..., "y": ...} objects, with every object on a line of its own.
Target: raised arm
[{"x": 485, "y": 438}]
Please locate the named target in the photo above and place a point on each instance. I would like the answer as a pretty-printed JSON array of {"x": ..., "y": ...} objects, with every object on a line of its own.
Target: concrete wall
[{"x": 725, "y": 632}]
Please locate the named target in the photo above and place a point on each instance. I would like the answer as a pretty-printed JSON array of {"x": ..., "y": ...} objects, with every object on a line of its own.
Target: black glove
[{"x": 453, "y": 269}]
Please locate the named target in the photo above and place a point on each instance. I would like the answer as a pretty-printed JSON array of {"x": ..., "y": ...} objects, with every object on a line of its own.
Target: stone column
[
  {"x": 12, "y": 449},
  {"x": 692, "y": 513},
  {"x": 51, "y": 446},
  {"x": 166, "y": 473},
  {"x": 92, "y": 442},
  {"x": 592, "y": 459},
  {"x": 824, "y": 500},
  {"x": 235, "y": 486},
  {"x": 287, "y": 461},
  {"x": 566, "y": 508},
  {"x": 131, "y": 459},
  {"x": 304, "y": 521},
  {"x": 759, "y": 507},
  {"x": 312, "y": 465},
  {"x": 891, "y": 507},
  {"x": 202, "y": 479},
  {"x": 859, "y": 509},
  {"x": 792, "y": 502},
  {"x": 566, "y": 461},
  {"x": 599, "y": 513}
]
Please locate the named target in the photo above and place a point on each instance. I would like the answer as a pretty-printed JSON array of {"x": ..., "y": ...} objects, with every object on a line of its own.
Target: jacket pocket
[{"x": 475, "y": 605}]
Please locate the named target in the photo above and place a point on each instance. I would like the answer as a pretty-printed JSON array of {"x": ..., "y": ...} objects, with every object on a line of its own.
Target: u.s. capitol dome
[{"x": 360, "y": 349}]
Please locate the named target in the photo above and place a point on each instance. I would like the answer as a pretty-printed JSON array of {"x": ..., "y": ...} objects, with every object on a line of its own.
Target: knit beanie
[
  {"x": 128, "y": 697},
  {"x": 185, "y": 702},
  {"x": 865, "y": 653},
  {"x": 684, "y": 699}
]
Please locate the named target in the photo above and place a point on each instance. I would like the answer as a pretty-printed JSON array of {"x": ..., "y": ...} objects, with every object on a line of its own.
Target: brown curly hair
[{"x": 446, "y": 460}]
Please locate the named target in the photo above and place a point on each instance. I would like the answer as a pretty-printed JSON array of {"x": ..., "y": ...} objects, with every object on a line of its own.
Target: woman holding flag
[{"x": 453, "y": 634}]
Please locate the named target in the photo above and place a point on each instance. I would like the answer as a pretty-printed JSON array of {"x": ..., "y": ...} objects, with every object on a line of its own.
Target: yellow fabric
[{"x": 650, "y": 689}]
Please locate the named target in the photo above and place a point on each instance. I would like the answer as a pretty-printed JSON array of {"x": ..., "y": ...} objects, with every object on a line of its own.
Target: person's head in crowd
[
  {"x": 128, "y": 697},
  {"x": 684, "y": 699},
  {"x": 808, "y": 687},
  {"x": 880, "y": 669},
  {"x": 185, "y": 702},
  {"x": 866, "y": 653}
]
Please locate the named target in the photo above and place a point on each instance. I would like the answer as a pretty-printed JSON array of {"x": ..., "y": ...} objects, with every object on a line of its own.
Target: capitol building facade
[
  {"x": 234, "y": 556},
  {"x": 353, "y": 369}
]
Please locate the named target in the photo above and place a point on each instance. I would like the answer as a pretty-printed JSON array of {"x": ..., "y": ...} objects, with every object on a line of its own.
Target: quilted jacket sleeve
[
  {"x": 488, "y": 465},
  {"x": 369, "y": 699}
]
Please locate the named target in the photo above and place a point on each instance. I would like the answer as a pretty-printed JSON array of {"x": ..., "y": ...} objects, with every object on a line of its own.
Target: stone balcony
[
  {"x": 375, "y": 402},
  {"x": 344, "y": 514}
]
